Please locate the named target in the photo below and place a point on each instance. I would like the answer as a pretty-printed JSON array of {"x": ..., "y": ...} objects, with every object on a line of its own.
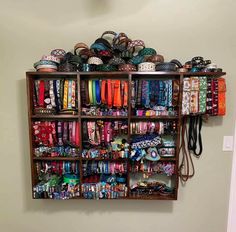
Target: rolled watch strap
[
  {"x": 108, "y": 33},
  {"x": 106, "y": 68},
  {"x": 88, "y": 67},
  {"x": 147, "y": 52},
  {"x": 80, "y": 45},
  {"x": 86, "y": 53},
  {"x": 146, "y": 67},
  {"x": 44, "y": 62},
  {"x": 104, "y": 53},
  {"x": 155, "y": 59},
  {"x": 127, "y": 67},
  {"x": 46, "y": 70},
  {"x": 46, "y": 66},
  {"x": 51, "y": 58},
  {"x": 116, "y": 61},
  {"x": 104, "y": 42},
  {"x": 98, "y": 47},
  {"x": 136, "y": 43},
  {"x": 136, "y": 60},
  {"x": 166, "y": 66},
  {"x": 177, "y": 63},
  {"x": 126, "y": 55},
  {"x": 95, "y": 60},
  {"x": 59, "y": 53}
]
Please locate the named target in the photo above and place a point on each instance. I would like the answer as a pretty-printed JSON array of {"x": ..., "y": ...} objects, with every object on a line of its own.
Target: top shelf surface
[{"x": 71, "y": 74}]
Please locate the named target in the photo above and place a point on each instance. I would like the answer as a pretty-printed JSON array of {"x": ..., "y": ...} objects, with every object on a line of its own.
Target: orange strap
[
  {"x": 117, "y": 94},
  {"x": 109, "y": 93},
  {"x": 103, "y": 92},
  {"x": 125, "y": 103},
  {"x": 221, "y": 96}
]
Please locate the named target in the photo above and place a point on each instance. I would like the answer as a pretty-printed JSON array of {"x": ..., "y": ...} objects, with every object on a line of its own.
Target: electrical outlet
[{"x": 228, "y": 143}]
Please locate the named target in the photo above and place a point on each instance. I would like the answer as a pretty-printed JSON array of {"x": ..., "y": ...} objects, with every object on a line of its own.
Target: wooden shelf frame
[{"x": 129, "y": 76}]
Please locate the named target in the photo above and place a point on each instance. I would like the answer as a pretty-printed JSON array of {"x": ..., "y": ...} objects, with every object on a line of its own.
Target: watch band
[
  {"x": 51, "y": 58},
  {"x": 41, "y": 93},
  {"x": 90, "y": 85},
  {"x": 202, "y": 94},
  {"x": 69, "y": 104},
  {"x": 104, "y": 92},
  {"x": 65, "y": 98},
  {"x": 146, "y": 67},
  {"x": 117, "y": 94},
  {"x": 98, "y": 92},
  {"x": 73, "y": 94},
  {"x": 221, "y": 96},
  {"x": 94, "y": 92}
]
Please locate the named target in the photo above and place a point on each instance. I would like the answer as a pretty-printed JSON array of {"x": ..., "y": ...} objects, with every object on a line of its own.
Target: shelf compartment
[
  {"x": 154, "y": 117},
  {"x": 56, "y": 158},
  {"x": 56, "y": 116},
  {"x": 103, "y": 117}
]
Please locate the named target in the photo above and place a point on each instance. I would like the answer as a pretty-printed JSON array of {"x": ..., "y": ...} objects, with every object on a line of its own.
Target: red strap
[
  {"x": 77, "y": 137},
  {"x": 109, "y": 93},
  {"x": 41, "y": 93}
]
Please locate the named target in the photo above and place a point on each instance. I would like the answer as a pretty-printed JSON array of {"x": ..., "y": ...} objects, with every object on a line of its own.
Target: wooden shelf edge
[
  {"x": 158, "y": 73},
  {"x": 57, "y": 116},
  {"x": 56, "y": 158}
]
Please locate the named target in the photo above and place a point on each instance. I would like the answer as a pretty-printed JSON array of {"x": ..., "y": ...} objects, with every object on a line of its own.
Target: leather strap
[
  {"x": 194, "y": 135},
  {"x": 186, "y": 168}
]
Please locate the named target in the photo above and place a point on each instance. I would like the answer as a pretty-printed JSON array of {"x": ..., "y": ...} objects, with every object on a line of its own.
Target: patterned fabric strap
[
  {"x": 186, "y": 97},
  {"x": 65, "y": 98},
  {"x": 70, "y": 95},
  {"x": 209, "y": 97},
  {"x": 194, "y": 94},
  {"x": 202, "y": 94},
  {"x": 221, "y": 96}
]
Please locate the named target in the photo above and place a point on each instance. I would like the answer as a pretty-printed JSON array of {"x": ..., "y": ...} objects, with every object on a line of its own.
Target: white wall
[{"x": 177, "y": 29}]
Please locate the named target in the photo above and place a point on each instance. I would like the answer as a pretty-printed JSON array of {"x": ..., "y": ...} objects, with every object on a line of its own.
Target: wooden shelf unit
[{"x": 130, "y": 76}]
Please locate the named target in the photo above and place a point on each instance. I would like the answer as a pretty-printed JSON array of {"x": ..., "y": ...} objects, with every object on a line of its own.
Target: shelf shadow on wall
[{"x": 80, "y": 206}]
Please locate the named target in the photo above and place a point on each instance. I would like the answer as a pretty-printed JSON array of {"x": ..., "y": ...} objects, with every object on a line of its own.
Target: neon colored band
[
  {"x": 90, "y": 92},
  {"x": 94, "y": 92}
]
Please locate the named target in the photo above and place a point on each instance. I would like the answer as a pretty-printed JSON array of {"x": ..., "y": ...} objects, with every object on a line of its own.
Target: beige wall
[{"x": 177, "y": 29}]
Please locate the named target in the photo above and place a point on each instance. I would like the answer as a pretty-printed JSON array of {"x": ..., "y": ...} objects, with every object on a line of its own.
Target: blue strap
[{"x": 98, "y": 92}]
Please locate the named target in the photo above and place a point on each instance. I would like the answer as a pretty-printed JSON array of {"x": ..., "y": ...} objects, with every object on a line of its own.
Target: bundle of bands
[{"x": 111, "y": 50}]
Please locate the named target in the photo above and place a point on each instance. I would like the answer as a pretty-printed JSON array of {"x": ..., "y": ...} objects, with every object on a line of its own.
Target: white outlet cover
[{"x": 228, "y": 143}]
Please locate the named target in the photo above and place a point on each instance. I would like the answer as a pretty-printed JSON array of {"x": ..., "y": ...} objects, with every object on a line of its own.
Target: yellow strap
[
  {"x": 91, "y": 92},
  {"x": 65, "y": 98}
]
